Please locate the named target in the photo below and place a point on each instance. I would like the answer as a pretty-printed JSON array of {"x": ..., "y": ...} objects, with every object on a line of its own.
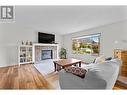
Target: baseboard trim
[{"x": 9, "y": 66}]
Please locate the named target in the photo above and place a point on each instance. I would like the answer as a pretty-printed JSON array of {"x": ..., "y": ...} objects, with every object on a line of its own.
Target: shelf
[
  {"x": 39, "y": 44},
  {"x": 25, "y": 54},
  {"x": 22, "y": 57},
  {"x": 26, "y": 62}
]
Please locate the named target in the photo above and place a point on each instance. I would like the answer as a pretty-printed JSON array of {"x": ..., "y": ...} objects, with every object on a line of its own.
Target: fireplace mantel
[
  {"x": 55, "y": 48},
  {"x": 38, "y": 44}
]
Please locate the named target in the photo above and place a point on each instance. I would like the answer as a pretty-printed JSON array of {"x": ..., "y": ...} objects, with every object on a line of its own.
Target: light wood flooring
[
  {"x": 27, "y": 77},
  {"x": 23, "y": 77}
]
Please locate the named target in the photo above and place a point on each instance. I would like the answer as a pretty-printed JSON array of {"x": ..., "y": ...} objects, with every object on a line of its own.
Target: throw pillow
[
  {"x": 76, "y": 71},
  {"x": 100, "y": 59}
]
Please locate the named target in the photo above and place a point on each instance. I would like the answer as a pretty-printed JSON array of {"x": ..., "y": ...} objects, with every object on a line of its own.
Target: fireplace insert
[{"x": 46, "y": 54}]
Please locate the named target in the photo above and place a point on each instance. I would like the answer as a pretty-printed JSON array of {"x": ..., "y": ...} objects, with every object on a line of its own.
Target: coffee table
[{"x": 63, "y": 63}]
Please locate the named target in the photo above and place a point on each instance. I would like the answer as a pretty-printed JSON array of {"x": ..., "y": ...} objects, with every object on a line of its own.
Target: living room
[{"x": 105, "y": 25}]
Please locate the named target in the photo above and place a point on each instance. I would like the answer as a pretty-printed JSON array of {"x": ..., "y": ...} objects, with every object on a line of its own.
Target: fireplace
[
  {"x": 45, "y": 51},
  {"x": 46, "y": 54}
]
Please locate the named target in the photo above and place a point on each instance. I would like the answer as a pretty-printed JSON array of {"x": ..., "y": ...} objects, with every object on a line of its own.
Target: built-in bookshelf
[{"x": 25, "y": 54}]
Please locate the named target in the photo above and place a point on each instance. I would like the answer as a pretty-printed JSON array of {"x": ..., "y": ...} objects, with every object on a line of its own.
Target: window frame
[{"x": 89, "y": 37}]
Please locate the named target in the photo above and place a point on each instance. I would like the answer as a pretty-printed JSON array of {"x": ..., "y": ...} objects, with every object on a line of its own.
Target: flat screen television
[{"x": 46, "y": 38}]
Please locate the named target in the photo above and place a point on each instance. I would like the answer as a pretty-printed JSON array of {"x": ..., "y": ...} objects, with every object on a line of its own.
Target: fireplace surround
[{"x": 45, "y": 51}]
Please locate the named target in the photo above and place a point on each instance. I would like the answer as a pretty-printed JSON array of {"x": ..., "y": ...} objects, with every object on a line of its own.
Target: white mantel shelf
[
  {"x": 45, "y": 45},
  {"x": 39, "y": 44}
]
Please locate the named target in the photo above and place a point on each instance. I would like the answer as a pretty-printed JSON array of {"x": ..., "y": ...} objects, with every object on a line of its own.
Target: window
[{"x": 89, "y": 44}]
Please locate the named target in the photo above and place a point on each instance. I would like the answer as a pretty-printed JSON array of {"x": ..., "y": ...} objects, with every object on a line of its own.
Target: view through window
[{"x": 89, "y": 44}]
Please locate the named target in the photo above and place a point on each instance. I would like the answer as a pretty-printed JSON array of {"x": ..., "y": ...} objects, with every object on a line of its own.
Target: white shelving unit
[{"x": 25, "y": 54}]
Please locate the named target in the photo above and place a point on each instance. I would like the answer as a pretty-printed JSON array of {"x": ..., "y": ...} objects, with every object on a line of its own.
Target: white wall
[
  {"x": 11, "y": 35},
  {"x": 109, "y": 35}
]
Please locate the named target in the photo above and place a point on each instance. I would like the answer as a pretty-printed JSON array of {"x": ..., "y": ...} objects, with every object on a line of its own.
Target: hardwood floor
[
  {"x": 27, "y": 77},
  {"x": 23, "y": 77},
  {"x": 119, "y": 87},
  {"x": 9, "y": 78}
]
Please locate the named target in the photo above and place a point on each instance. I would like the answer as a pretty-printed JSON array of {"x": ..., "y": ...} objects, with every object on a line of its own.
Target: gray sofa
[{"x": 98, "y": 76}]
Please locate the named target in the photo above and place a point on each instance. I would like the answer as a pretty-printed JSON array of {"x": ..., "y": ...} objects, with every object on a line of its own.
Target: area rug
[{"x": 45, "y": 67}]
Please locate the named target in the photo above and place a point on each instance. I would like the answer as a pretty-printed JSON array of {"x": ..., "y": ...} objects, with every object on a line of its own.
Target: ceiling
[{"x": 68, "y": 19}]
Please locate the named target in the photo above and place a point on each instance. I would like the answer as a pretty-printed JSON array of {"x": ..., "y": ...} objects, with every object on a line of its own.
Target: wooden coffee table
[{"x": 63, "y": 63}]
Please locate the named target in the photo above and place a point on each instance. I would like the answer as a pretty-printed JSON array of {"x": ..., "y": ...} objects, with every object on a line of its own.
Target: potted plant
[{"x": 63, "y": 53}]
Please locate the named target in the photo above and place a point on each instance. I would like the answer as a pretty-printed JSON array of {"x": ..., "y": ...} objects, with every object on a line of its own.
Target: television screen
[{"x": 46, "y": 38}]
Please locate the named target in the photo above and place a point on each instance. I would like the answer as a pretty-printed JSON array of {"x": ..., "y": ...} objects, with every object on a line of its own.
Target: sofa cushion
[
  {"x": 100, "y": 59},
  {"x": 76, "y": 71}
]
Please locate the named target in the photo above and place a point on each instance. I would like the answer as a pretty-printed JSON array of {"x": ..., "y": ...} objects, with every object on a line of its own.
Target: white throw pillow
[{"x": 100, "y": 59}]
